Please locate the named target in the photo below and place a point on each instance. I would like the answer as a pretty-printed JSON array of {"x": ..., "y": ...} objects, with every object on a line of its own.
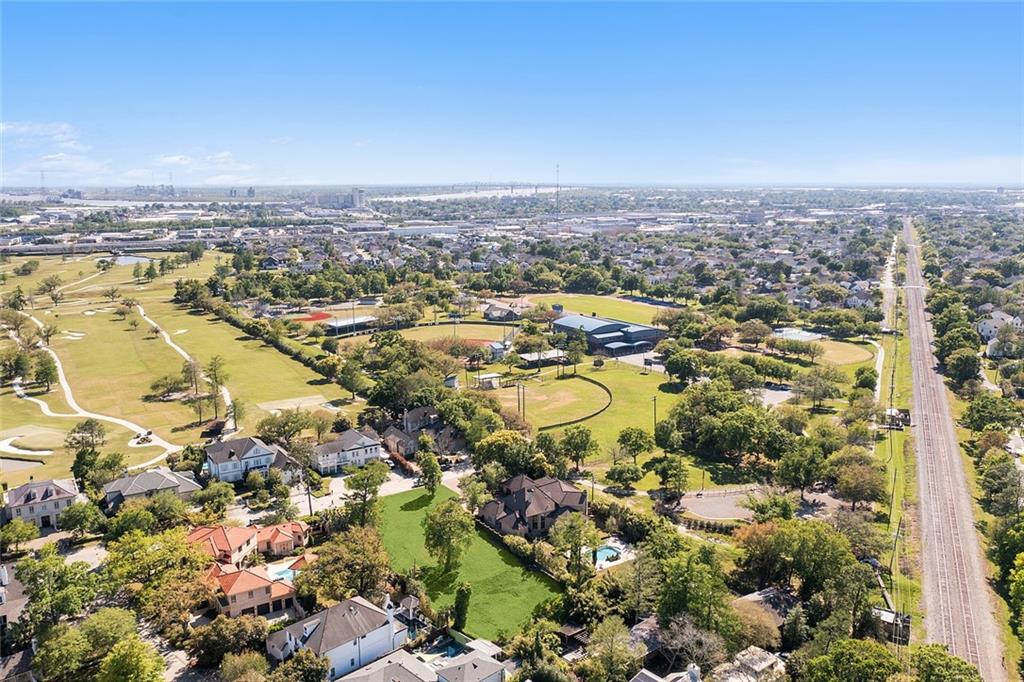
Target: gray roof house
[
  {"x": 41, "y": 502},
  {"x": 349, "y": 635},
  {"x": 530, "y": 507},
  {"x": 231, "y": 460},
  {"x": 351, "y": 448},
  {"x": 149, "y": 483}
]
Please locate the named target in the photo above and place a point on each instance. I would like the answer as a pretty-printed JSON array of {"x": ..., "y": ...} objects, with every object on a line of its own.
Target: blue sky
[{"x": 694, "y": 94}]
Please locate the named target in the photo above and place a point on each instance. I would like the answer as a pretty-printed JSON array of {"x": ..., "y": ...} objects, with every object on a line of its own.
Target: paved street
[
  {"x": 395, "y": 484},
  {"x": 957, "y": 600}
]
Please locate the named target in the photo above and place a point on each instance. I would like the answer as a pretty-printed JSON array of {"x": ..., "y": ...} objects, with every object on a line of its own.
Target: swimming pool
[
  {"x": 608, "y": 553},
  {"x": 281, "y": 573}
]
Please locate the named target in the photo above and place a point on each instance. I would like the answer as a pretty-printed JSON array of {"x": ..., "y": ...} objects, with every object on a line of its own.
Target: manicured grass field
[
  {"x": 257, "y": 373},
  {"x": 505, "y": 593},
  {"x": 551, "y": 400},
  {"x": 111, "y": 368},
  {"x": 38, "y": 432},
  {"x": 604, "y": 306}
]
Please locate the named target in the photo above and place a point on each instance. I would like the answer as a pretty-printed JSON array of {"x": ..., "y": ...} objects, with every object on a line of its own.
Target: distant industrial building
[{"x": 614, "y": 337}]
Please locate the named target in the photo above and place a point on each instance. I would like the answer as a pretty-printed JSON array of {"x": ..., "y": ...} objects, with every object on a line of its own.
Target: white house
[
  {"x": 41, "y": 502},
  {"x": 351, "y": 448},
  {"x": 231, "y": 460},
  {"x": 990, "y": 326},
  {"x": 349, "y": 635}
]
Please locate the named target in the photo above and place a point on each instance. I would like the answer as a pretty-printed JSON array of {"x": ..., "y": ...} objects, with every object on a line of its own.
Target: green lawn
[
  {"x": 505, "y": 593},
  {"x": 258, "y": 374},
  {"x": 32, "y": 430},
  {"x": 604, "y": 306}
]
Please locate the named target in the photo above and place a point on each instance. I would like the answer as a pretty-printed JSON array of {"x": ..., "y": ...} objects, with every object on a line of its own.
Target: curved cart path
[
  {"x": 79, "y": 411},
  {"x": 224, "y": 393}
]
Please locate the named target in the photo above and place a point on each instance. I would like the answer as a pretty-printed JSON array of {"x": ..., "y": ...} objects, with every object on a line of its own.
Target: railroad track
[{"x": 956, "y": 599}]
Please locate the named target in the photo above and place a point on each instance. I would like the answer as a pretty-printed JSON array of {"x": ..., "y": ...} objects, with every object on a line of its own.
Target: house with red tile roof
[
  {"x": 250, "y": 591},
  {"x": 226, "y": 544},
  {"x": 281, "y": 539}
]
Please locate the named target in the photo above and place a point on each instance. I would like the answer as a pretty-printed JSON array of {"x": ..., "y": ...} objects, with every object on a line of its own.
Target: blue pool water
[
  {"x": 279, "y": 573},
  {"x": 605, "y": 553}
]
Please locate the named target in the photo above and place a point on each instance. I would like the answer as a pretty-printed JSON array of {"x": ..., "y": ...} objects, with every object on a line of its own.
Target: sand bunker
[{"x": 180, "y": 331}]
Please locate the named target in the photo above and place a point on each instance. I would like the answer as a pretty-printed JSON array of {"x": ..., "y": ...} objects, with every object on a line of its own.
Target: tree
[
  {"x": 82, "y": 518},
  {"x": 107, "y": 627},
  {"x": 111, "y": 293},
  {"x": 55, "y": 589},
  {"x": 217, "y": 375},
  {"x": 365, "y": 484},
  {"x": 625, "y": 474},
  {"x": 86, "y": 435},
  {"x": 215, "y": 497},
  {"x": 990, "y": 410},
  {"x": 795, "y": 629},
  {"x": 430, "y": 471},
  {"x": 684, "y": 365},
  {"x": 151, "y": 272},
  {"x": 137, "y": 272},
  {"x": 800, "y": 468},
  {"x": 354, "y": 562},
  {"x": 635, "y": 441},
  {"x": 819, "y": 384},
  {"x": 612, "y": 652},
  {"x": 321, "y": 421},
  {"x": 243, "y": 667},
  {"x": 853, "y": 659},
  {"x": 448, "y": 530},
  {"x": 304, "y": 666},
  {"x": 754, "y": 331},
  {"x": 963, "y": 365},
  {"x": 62, "y": 654},
  {"x": 934, "y": 663},
  {"x": 578, "y": 443},
  {"x": 474, "y": 493},
  {"x": 687, "y": 643},
  {"x": 576, "y": 536},
  {"x": 673, "y": 473},
  {"x": 47, "y": 332},
  {"x": 15, "y": 533},
  {"x": 860, "y": 483},
  {"x": 132, "y": 660},
  {"x": 508, "y": 448},
  {"x": 462, "y": 595},
  {"x": 51, "y": 286},
  {"x": 222, "y": 636},
  {"x": 695, "y": 587},
  {"x": 351, "y": 377}
]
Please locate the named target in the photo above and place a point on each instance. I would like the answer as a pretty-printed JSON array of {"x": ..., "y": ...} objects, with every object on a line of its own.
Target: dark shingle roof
[
  {"x": 337, "y": 625},
  {"x": 239, "y": 447},
  {"x": 349, "y": 440}
]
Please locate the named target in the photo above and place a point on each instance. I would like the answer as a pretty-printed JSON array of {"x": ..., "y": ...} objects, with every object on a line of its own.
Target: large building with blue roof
[{"x": 614, "y": 337}]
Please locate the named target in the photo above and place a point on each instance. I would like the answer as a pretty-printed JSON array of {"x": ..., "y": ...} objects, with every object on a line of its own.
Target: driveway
[{"x": 396, "y": 483}]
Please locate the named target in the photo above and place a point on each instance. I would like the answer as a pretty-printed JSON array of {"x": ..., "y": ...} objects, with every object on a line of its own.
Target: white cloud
[
  {"x": 173, "y": 160},
  {"x": 42, "y": 134}
]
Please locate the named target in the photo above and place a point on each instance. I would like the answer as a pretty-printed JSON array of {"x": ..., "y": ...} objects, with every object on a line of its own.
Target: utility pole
[{"x": 654, "y": 399}]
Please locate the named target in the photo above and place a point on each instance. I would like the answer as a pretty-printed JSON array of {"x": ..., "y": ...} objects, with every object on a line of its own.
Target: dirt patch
[
  {"x": 307, "y": 402},
  {"x": 318, "y": 316}
]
